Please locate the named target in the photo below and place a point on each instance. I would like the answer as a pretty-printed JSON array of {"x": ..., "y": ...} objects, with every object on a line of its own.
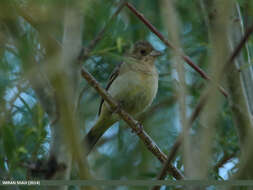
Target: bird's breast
[{"x": 134, "y": 90}]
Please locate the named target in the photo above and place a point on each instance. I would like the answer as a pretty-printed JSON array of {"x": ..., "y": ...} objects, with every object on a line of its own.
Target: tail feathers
[
  {"x": 91, "y": 139},
  {"x": 93, "y": 135}
]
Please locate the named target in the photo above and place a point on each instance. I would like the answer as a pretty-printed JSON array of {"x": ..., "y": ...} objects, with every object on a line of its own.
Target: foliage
[{"x": 24, "y": 124}]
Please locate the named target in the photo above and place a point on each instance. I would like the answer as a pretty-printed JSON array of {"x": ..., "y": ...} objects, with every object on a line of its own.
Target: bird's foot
[
  {"x": 139, "y": 128},
  {"x": 118, "y": 108}
]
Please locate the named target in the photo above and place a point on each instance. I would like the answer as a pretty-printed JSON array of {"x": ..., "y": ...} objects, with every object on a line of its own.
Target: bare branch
[
  {"x": 180, "y": 139},
  {"x": 227, "y": 157},
  {"x": 135, "y": 126},
  {"x": 198, "y": 109},
  {"x": 239, "y": 47},
  {"x": 168, "y": 44}
]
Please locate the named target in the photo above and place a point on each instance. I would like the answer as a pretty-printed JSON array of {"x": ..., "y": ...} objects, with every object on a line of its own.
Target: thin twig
[
  {"x": 224, "y": 160},
  {"x": 179, "y": 140},
  {"x": 198, "y": 109},
  {"x": 7, "y": 112},
  {"x": 23, "y": 13},
  {"x": 151, "y": 145},
  {"x": 25, "y": 104},
  {"x": 168, "y": 44},
  {"x": 202, "y": 101},
  {"x": 145, "y": 115},
  {"x": 54, "y": 43},
  {"x": 239, "y": 47},
  {"x": 85, "y": 51}
]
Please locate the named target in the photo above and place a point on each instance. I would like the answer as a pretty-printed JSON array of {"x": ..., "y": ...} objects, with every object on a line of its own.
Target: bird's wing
[{"x": 113, "y": 76}]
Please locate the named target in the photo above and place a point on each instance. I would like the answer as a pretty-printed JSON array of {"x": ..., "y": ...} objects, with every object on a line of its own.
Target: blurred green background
[{"x": 25, "y": 126}]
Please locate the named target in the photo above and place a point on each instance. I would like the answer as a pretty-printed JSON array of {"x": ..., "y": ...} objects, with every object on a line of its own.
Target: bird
[{"x": 133, "y": 85}]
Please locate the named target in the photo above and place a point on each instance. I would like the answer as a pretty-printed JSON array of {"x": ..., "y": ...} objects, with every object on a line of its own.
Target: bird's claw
[{"x": 118, "y": 108}]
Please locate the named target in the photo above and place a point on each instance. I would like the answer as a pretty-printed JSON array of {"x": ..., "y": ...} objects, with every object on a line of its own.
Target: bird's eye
[{"x": 143, "y": 52}]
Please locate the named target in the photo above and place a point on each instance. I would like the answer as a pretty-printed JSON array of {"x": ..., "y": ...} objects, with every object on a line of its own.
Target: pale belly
[{"x": 134, "y": 92}]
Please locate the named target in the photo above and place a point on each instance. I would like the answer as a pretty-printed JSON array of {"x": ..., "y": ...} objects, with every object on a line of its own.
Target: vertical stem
[{"x": 218, "y": 29}]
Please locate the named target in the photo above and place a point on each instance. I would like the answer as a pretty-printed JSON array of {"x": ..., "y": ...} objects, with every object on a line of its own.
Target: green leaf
[
  {"x": 22, "y": 150},
  {"x": 9, "y": 141}
]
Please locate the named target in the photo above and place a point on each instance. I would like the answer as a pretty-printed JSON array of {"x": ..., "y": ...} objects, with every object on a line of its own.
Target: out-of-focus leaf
[{"x": 9, "y": 141}]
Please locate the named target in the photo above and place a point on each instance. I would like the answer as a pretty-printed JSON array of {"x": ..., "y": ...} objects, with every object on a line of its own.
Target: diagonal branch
[
  {"x": 151, "y": 145},
  {"x": 202, "y": 101},
  {"x": 200, "y": 106},
  {"x": 168, "y": 44},
  {"x": 226, "y": 158},
  {"x": 179, "y": 140},
  {"x": 239, "y": 47}
]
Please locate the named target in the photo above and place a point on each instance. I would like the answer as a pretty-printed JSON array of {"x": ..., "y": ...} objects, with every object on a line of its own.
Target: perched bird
[{"x": 133, "y": 84}]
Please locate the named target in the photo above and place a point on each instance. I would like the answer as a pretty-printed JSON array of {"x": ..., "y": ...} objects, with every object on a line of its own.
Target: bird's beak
[{"x": 155, "y": 53}]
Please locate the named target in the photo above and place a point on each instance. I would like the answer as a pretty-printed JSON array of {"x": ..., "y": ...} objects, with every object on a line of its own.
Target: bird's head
[{"x": 144, "y": 51}]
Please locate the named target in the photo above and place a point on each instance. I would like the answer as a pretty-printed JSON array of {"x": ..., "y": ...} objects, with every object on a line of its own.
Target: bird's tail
[{"x": 94, "y": 134}]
